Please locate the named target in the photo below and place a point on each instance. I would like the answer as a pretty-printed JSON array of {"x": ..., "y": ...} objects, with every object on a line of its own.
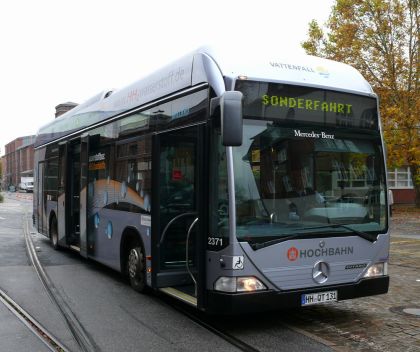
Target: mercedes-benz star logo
[{"x": 320, "y": 272}]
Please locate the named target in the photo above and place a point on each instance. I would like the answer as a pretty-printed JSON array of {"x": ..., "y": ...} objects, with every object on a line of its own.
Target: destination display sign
[{"x": 292, "y": 104}]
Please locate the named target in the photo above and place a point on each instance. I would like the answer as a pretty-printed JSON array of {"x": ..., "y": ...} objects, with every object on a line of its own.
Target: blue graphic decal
[
  {"x": 146, "y": 204},
  {"x": 109, "y": 230},
  {"x": 105, "y": 198},
  {"x": 96, "y": 220},
  {"x": 123, "y": 190}
]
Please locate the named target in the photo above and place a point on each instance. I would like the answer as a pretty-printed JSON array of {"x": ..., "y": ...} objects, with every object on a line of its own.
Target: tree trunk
[{"x": 416, "y": 183}]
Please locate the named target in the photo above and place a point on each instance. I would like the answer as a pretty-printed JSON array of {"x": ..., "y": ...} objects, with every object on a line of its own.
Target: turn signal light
[
  {"x": 249, "y": 284},
  {"x": 238, "y": 284}
]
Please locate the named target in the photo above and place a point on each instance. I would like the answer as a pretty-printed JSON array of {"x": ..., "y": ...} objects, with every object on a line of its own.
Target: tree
[
  {"x": 381, "y": 38},
  {"x": 1, "y": 177}
]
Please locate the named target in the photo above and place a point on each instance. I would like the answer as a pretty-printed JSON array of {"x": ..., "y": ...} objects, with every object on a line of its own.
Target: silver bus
[{"x": 234, "y": 183}]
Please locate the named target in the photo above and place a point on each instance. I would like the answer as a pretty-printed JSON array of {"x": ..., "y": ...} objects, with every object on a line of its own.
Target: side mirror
[{"x": 231, "y": 118}]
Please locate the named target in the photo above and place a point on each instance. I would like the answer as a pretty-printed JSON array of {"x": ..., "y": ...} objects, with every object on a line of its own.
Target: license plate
[{"x": 318, "y": 297}]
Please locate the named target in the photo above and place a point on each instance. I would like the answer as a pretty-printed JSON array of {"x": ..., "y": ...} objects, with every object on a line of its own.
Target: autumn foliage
[{"x": 381, "y": 38}]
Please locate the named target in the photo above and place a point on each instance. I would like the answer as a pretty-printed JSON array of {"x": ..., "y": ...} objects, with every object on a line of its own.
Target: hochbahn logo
[{"x": 293, "y": 253}]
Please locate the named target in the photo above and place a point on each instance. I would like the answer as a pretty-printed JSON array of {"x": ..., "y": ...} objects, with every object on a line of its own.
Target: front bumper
[{"x": 228, "y": 303}]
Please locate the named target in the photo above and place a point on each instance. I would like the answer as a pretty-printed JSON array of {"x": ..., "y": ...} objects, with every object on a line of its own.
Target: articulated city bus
[{"x": 232, "y": 183}]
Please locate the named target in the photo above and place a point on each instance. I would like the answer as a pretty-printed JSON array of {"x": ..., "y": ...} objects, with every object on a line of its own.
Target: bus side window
[{"x": 133, "y": 173}]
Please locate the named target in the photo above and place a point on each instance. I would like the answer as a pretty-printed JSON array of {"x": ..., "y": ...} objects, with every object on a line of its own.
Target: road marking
[{"x": 2, "y": 218}]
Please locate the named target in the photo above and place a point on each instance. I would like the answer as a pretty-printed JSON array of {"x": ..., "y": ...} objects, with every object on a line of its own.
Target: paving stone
[{"x": 377, "y": 323}]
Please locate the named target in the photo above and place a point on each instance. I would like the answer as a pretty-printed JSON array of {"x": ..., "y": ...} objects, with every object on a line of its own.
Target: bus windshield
[{"x": 291, "y": 180}]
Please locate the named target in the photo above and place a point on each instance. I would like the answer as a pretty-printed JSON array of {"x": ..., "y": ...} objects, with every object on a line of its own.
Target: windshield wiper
[
  {"x": 364, "y": 235},
  {"x": 367, "y": 236},
  {"x": 271, "y": 242}
]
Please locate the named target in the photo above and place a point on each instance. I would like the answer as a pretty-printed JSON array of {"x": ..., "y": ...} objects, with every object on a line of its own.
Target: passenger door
[
  {"x": 61, "y": 197},
  {"x": 42, "y": 228},
  {"x": 84, "y": 145},
  {"x": 177, "y": 218}
]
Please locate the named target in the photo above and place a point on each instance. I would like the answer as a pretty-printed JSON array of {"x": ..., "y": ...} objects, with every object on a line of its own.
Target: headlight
[
  {"x": 378, "y": 269},
  {"x": 225, "y": 284},
  {"x": 238, "y": 284}
]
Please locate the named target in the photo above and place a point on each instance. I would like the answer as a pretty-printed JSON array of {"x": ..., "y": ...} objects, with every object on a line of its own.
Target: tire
[
  {"x": 54, "y": 234},
  {"x": 136, "y": 268}
]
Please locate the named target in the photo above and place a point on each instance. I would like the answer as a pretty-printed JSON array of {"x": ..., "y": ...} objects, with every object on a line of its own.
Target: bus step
[
  {"x": 171, "y": 291},
  {"x": 75, "y": 248}
]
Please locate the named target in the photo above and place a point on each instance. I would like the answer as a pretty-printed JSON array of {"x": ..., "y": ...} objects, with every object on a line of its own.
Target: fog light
[
  {"x": 378, "y": 269},
  {"x": 238, "y": 284}
]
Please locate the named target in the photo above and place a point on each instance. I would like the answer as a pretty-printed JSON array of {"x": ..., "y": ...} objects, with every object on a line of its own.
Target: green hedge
[{"x": 1, "y": 198}]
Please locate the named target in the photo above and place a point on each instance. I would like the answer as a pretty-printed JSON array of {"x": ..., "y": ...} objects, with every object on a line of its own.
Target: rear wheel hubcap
[{"x": 133, "y": 263}]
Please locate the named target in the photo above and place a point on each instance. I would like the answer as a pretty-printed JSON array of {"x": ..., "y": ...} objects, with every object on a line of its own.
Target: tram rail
[
  {"x": 194, "y": 315},
  {"x": 31, "y": 323},
  {"x": 83, "y": 339},
  {"x": 80, "y": 335}
]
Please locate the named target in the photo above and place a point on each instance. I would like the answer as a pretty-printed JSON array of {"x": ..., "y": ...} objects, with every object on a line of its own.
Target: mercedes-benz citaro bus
[{"x": 233, "y": 183}]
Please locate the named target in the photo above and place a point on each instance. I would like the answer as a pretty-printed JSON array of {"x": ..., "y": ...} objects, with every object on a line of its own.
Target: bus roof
[{"x": 206, "y": 65}]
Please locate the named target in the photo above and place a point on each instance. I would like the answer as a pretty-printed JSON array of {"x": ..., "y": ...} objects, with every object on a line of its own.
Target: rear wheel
[
  {"x": 54, "y": 234},
  {"x": 136, "y": 268}
]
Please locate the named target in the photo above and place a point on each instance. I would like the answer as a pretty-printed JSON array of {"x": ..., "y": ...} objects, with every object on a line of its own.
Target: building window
[{"x": 400, "y": 178}]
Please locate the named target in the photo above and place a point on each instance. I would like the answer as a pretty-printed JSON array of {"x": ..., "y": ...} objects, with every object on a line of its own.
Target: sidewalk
[
  {"x": 18, "y": 195},
  {"x": 377, "y": 323}
]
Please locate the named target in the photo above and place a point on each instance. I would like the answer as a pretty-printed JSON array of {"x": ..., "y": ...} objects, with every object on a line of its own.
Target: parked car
[{"x": 26, "y": 186}]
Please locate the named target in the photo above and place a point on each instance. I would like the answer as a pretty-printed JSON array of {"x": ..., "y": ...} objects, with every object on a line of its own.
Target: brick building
[
  {"x": 3, "y": 168},
  {"x": 62, "y": 108},
  {"x": 401, "y": 183},
  {"x": 19, "y": 160}
]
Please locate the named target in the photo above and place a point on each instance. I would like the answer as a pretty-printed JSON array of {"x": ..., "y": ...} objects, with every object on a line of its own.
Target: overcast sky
[{"x": 56, "y": 51}]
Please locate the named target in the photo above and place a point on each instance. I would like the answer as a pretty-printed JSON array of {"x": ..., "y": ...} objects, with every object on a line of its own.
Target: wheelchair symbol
[{"x": 238, "y": 262}]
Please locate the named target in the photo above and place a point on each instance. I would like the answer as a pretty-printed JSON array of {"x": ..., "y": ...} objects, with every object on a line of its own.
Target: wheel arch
[
  {"x": 129, "y": 237},
  {"x": 52, "y": 216}
]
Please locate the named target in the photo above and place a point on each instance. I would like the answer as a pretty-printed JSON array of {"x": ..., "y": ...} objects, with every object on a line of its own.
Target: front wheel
[{"x": 136, "y": 267}]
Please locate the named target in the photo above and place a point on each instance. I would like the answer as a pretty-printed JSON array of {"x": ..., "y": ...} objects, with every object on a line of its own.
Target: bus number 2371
[{"x": 215, "y": 241}]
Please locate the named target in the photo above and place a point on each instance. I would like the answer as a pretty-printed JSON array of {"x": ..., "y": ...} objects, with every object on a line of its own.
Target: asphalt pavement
[{"x": 115, "y": 317}]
